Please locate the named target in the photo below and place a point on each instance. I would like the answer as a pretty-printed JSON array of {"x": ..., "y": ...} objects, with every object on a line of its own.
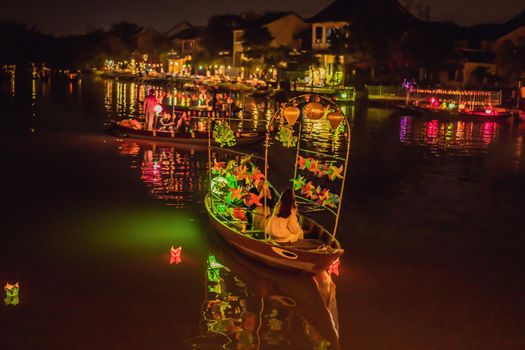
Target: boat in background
[
  {"x": 428, "y": 110},
  {"x": 132, "y": 128}
]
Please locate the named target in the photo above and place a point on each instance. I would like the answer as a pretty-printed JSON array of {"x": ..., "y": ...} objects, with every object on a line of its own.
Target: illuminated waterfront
[{"x": 432, "y": 228}]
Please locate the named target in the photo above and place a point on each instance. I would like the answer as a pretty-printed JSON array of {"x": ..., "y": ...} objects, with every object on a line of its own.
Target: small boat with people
[
  {"x": 133, "y": 128},
  {"x": 444, "y": 109},
  {"x": 191, "y": 125},
  {"x": 241, "y": 200}
]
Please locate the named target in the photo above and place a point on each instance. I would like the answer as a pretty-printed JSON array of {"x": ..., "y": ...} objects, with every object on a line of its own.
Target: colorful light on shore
[{"x": 11, "y": 294}]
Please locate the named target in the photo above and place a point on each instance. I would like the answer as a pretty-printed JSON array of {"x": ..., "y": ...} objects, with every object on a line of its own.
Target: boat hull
[
  {"x": 282, "y": 256},
  {"x": 198, "y": 137}
]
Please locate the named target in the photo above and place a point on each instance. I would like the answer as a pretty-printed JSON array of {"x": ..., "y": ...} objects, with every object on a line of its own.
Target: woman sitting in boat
[
  {"x": 166, "y": 122},
  {"x": 284, "y": 225}
]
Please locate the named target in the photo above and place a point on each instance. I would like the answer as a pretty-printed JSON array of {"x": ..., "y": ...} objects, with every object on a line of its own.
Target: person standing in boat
[
  {"x": 283, "y": 225},
  {"x": 149, "y": 109}
]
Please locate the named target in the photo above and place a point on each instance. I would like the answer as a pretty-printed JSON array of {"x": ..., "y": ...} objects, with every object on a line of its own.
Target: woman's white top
[{"x": 285, "y": 229}]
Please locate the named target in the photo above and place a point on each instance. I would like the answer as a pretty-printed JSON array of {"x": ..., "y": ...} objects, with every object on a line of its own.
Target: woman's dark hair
[
  {"x": 286, "y": 203},
  {"x": 151, "y": 91}
]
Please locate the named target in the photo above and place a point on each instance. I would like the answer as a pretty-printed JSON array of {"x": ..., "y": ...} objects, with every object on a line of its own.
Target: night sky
[{"x": 71, "y": 17}]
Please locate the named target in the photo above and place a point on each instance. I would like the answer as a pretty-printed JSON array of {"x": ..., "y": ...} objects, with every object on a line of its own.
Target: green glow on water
[{"x": 117, "y": 230}]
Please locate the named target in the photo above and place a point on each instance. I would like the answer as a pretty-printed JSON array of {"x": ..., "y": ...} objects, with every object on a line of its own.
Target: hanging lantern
[
  {"x": 335, "y": 118},
  {"x": 313, "y": 111},
  {"x": 291, "y": 114}
]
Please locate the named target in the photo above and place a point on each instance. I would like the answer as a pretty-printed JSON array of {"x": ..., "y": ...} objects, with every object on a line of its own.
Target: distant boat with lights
[
  {"x": 318, "y": 182},
  {"x": 454, "y": 104},
  {"x": 453, "y": 111}
]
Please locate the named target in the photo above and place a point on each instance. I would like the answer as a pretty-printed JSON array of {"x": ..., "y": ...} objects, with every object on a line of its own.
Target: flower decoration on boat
[
  {"x": 239, "y": 214},
  {"x": 314, "y": 167},
  {"x": 224, "y": 135},
  {"x": 241, "y": 173},
  {"x": 219, "y": 186},
  {"x": 298, "y": 183},
  {"x": 320, "y": 169},
  {"x": 303, "y": 163},
  {"x": 218, "y": 167},
  {"x": 236, "y": 193},
  {"x": 257, "y": 176},
  {"x": 335, "y": 172},
  {"x": 11, "y": 294},
  {"x": 328, "y": 199},
  {"x": 252, "y": 199},
  {"x": 309, "y": 191},
  {"x": 286, "y": 137}
]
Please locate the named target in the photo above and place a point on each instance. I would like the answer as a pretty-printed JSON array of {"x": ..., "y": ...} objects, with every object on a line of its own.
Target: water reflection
[
  {"x": 173, "y": 176},
  {"x": 464, "y": 137},
  {"x": 248, "y": 306}
]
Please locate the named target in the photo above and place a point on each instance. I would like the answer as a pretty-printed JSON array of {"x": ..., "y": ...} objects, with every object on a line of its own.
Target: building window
[
  {"x": 329, "y": 33},
  {"x": 237, "y": 36},
  {"x": 318, "y": 35},
  {"x": 187, "y": 46}
]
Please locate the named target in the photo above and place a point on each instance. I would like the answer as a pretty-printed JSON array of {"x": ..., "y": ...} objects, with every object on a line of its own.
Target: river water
[{"x": 432, "y": 226}]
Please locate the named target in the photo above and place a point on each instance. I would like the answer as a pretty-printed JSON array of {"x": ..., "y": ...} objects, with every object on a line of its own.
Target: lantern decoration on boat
[
  {"x": 335, "y": 119},
  {"x": 314, "y": 110},
  {"x": 291, "y": 114},
  {"x": 318, "y": 176},
  {"x": 11, "y": 294},
  {"x": 175, "y": 255}
]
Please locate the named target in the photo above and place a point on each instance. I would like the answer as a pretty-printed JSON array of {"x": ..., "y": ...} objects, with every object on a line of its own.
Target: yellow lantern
[
  {"x": 313, "y": 110},
  {"x": 291, "y": 114},
  {"x": 335, "y": 118}
]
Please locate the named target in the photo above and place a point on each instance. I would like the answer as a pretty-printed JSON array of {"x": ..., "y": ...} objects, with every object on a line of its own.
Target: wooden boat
[
  {"x": 314, "y": 254},
  {"x": 230, "y": 183},
  {"x": 196, "y": 137}
]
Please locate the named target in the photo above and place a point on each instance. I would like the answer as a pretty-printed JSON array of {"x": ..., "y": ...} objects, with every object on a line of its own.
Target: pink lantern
[{"x": 175, "y": 257}]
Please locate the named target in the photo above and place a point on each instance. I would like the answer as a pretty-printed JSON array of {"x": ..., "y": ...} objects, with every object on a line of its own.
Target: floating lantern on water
[
  {"x": 11, "y": 294},
  {"x": 291, "y": 114},
  {"x": 335, "y": 119},
  {"x": 158, "y": 108},
  {"x": 334, "y": 268},
  {"x": 175, "y": 257},
  {"x": 313, "y": 110}
]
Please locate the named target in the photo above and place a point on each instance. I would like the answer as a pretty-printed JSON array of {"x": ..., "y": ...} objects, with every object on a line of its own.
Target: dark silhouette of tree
[
  {"x": 127, "y": 32},
  {"x": 218, "y": 35},
  {"x": 510, "y": 60},
  {"x": 256, "y": 41}
]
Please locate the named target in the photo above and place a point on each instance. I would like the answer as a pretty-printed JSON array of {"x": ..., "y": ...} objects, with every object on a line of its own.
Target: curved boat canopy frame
[{"x": 316, "y": 108}]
